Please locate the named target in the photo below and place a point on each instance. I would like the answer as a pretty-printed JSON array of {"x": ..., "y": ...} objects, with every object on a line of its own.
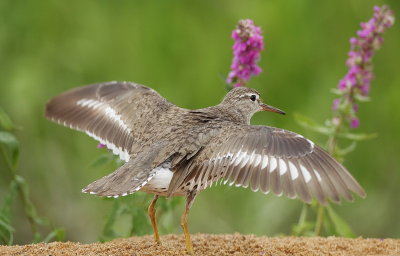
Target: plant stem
[
  {"x": 331, "y": 148},
  {"x": 303, "y": 215},
  {"x": 332, "y": 140},
  {"x": 28, "y": 207},
  {"x": 320, "y": 219}
]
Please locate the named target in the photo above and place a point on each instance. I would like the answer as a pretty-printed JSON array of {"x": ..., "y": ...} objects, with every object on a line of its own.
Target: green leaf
[
  {"x": 361, "y": 98},
  {"x": 357, "y": 136},
  {"x": 6, "y": 239},
  {"x": 337, "y": 91},
  {"x": 309, "y": 123},
  {"x": 9, "y": 199},
  {"x": 346, "y": 150},
  {"x": 5, "y": 121},
  {"x": 6, "y": 229},
  {"x": 29, "y": 208},
  {"x": 305, "y": 229},
  {"x": 57, "y": 234},
  {"x": 10, "y": 143},
  {"x": 6, "y": 235},
  {"x": 341, "y": 227},
  {"x": 4, "y": 224}
]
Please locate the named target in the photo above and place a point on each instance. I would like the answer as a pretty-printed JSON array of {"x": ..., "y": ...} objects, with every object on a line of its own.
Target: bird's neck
[{"x": 231, "y": 113}]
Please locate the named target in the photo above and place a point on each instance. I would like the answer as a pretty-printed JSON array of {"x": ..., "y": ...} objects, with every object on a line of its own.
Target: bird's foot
[
  {"x": 157, "y": 238},
  {"x": 189, "y": 245},
  {"x": 189, "y": 249},
  {"x": 158, "y": 241}
]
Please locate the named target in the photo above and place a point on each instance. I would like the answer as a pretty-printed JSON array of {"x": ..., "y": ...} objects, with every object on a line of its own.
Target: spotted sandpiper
[{"x": 172, "y": 151}]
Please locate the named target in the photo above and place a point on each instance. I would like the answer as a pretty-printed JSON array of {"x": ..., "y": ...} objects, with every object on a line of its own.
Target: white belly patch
[{"x": 161, "y": 179}]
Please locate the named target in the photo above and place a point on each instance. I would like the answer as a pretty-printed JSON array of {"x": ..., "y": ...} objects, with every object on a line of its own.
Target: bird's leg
[
  {"x": 189, "y": 202},
  {"x": 152, "y": 215}
]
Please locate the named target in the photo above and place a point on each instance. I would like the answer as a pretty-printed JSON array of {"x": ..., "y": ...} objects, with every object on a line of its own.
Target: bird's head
[{"x": 246, "y": 102}]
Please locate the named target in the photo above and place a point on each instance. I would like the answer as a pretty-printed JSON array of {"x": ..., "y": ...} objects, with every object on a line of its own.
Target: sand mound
[{"x": 235, "y": 244}]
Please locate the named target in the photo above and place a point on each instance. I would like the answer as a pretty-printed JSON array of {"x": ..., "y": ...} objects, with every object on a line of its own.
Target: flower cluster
[
  {"x": 356, "y": 83},
  {"x": 246, "y": 53}
]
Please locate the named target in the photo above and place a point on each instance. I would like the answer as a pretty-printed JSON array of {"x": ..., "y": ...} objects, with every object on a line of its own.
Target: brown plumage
[{"x": 172, "y": 151}]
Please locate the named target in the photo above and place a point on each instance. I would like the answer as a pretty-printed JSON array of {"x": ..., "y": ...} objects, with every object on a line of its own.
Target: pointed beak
[{"x": 266, "y": 107}]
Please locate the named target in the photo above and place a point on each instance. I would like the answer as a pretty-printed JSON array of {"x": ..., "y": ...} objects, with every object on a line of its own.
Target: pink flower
[
  {"x": 335, "y": 104},
  {"x": 101, "y": 145},
  {"x": 358, "y": 78},
  {"x": 354, "y": 122},
  {"x": 246, "y": 53},
  {"x": 362, "y": 50}
]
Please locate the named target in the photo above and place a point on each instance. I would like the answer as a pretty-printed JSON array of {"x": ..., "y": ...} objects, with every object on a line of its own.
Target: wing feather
[
  {"x": 270, "y": 159},
  {"x": 111, "y": 112},
  {"x": 264, "y": 177}
]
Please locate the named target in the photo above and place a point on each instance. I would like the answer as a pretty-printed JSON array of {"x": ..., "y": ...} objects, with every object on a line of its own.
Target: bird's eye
[{"x": 253, "y": 97}]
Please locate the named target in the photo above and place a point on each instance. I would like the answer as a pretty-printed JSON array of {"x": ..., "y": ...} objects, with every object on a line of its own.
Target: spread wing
[
  {"x": 114, "y": 113},
  {"x": 270, "y": 159}
]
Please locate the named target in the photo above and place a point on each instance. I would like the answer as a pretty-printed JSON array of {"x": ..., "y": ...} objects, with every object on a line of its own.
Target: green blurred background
[{"x": 183, "y": 50}]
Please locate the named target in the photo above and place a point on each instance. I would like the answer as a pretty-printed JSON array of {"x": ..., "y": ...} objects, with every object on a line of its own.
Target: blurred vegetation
[
  {"x": 134, "y": 209},
  {"x": 182, "y": 49},
  {"x": 18, "y": 189}
]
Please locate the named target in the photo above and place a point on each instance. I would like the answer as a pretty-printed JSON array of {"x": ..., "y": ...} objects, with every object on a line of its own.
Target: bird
[{"x": 172, "y": 151}]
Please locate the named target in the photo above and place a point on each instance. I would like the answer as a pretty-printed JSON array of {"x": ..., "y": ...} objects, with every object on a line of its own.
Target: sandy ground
[{"x": 235, "y": 244}]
